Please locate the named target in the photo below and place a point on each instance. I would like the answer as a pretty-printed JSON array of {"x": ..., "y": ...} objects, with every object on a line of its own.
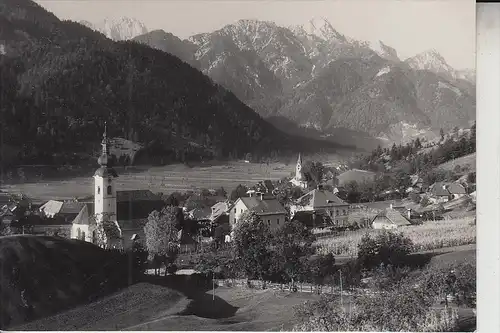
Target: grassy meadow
[
  {"x": 166, "y": 179},
  {"x": 430, "y": 235}
]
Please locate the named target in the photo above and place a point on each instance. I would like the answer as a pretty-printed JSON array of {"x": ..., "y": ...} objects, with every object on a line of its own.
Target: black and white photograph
[{"x": 235, "y": 165}]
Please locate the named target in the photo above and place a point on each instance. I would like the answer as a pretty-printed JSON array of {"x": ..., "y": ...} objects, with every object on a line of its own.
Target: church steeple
[
  {"x": 298, "y": 169},
  {"x": 103, "y": 160}
]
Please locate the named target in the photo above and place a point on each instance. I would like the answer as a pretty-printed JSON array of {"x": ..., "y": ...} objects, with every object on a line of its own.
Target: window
[
  {"x": 278, "y": 221},
  {"x": 83, "y": 235},
  {"x": 235, "y": 210},
  {"x": 109, "y": 190},
  {"x": 241, "y": 211},
  {"x": 269, "y": 222},
  {"x": 98, "y": 190},
  {"x": 235, "y": 220}
]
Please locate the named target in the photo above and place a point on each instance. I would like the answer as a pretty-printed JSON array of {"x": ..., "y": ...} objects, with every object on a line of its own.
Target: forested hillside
[{"x": 61, "y": 81}]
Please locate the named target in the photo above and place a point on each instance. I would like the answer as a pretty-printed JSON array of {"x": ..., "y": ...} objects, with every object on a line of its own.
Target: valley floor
[{"x": 155, "y": 306}]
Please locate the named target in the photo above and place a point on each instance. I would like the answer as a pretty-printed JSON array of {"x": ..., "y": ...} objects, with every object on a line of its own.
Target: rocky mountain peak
[{"x": 123, "y": 28}]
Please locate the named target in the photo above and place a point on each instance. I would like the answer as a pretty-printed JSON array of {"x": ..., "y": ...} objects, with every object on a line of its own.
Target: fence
[{"x": 301, "y": 287}]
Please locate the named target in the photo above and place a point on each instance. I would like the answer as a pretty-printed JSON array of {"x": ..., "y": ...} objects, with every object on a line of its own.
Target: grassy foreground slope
[{"x": 41, "y": 275}]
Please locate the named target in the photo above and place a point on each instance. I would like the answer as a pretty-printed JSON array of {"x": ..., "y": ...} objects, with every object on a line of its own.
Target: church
[
  {"x": 299, "y": 179},
  {"x": 125, "y": 211}
]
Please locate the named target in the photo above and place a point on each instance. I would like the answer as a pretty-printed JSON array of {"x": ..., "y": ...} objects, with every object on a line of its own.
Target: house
[
  {"x": 390, "y": 219},
  {"x": 443, "y": 191},
  {"x": 219, "y": 213},
  {"x": 41, "y": 225},
  {"x": 355, "y": 175},
  {"x": 200, "y": 214},
  {"x": 67, "y": 210},
  {"x": 268, "y": 209},
  {"x": 126, "y": 211},
  {"x": 299, "y": 179},
  {"x": 320, "y": 200}
]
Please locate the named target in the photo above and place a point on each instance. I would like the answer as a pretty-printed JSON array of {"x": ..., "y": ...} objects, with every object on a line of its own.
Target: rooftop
[
  {"x": 263, "y": 207},
  {"x": 320, "y": 198}
]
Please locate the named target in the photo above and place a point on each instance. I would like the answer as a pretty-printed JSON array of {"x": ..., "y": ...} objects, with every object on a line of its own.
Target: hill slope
[{"x": 42, "y": 275}]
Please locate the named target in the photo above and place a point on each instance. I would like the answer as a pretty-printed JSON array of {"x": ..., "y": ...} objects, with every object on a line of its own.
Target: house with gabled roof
[
  {"x": 323, "y": 201},
  {"x": 268, "y": 209},
  {"x": 390, "y": 219},
  {"x": 445, "y": 191}
]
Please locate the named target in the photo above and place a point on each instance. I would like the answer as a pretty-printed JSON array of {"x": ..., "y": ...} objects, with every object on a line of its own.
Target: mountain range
[
  {"x": 319, "y": 78},
  {"x": 62, "y": 80}
]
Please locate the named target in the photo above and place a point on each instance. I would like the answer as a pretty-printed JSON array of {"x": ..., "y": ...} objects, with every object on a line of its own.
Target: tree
[
  {"x": 471, "y": 177},
  {"x": 291, "y": 243},
  {"x": 4, "y": 228},
  {"x": 320, "y": 267},
  {"x": 239, "y": 192},
  {"x": 162, "y": 230},
  {"x": 221, "y": 192},
  {"x": 107, "y": 231},
  {"x": 386, "y": 248},
  {"x": 314, "y": 171},
  {"x": 250, "y": 243}
]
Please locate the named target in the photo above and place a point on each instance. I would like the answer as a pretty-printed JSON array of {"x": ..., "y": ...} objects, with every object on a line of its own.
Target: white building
[
  {"x": 299, "y": 179},
  {"x": 269, "y": 210}
]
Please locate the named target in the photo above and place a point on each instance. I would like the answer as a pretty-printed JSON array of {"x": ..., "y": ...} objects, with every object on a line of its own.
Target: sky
[{"x": 410, "y": 26}]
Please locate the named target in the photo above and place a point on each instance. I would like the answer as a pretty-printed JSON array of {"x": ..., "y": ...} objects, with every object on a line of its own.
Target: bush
[{"x": 385, "y": 248}]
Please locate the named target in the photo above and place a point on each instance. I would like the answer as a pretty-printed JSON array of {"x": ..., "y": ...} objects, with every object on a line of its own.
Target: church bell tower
[
  {"x": 298, "y": 169},
  {"x": 104, "y": 185}
]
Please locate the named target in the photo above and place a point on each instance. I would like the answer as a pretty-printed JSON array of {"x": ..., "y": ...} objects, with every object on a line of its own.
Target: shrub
[{"x": 386, "y": 248}]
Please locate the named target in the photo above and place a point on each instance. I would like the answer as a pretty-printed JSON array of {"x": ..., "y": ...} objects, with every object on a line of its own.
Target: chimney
[
  {"x": 409, "y": 213},
  {"x": 390, "y": 206},
  {"x": 444, "y": 187}
]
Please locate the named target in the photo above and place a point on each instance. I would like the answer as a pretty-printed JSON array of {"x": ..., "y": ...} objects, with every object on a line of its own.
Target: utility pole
[{"x": 213, "y": 286}]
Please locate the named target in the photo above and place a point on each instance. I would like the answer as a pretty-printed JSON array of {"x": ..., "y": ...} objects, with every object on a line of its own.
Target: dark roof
[
  {"x": 445, "y": 189},
  {"x": 312, "y": 219},
  {"x": 71, "y": 207},
  {"x": 201, "y": 213},
  {"x": 392, "y": 216},
  {"x": 263, "y": 207},
  {"x": 320, "y": 198},
  {"x": 105, "y": 172},
  {"x": 440, "y": 189},
  {"x": 125, "y": 211},
  {"x": 136, "y": 195}
]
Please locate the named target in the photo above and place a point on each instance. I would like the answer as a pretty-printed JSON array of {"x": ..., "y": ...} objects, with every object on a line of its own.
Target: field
[
  {"x": 164, "y": 179},
  {"x": 468, "y": 160},
  {"x": 428, "y": 236}
]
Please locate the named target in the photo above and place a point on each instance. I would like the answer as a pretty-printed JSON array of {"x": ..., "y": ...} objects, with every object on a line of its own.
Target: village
[{"x": 321, "y": 198}]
